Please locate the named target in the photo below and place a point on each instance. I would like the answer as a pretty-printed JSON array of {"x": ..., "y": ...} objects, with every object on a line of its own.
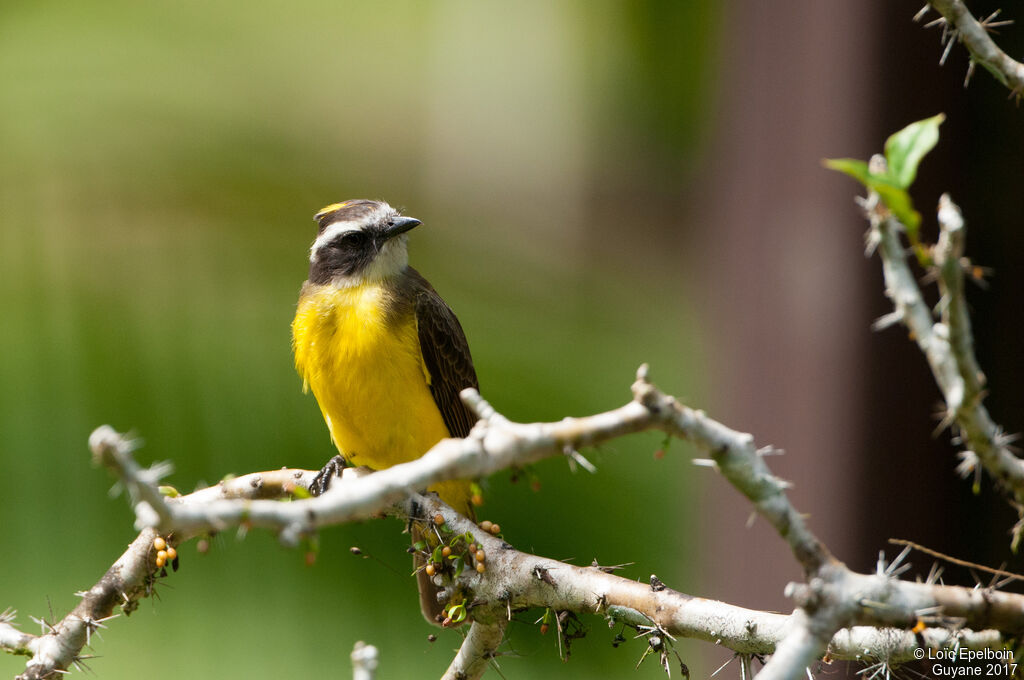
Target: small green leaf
[
  {"x": 899, "y": 204},
  {"x": 905, "y": 149},
  {"x": 459, "y": 564},
  {"x": 894, "y": 196},
  {"x": 435, "y": 556},
  {"x": 852, "y": 167}
]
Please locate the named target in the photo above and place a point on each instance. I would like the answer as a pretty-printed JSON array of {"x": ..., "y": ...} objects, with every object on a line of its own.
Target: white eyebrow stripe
[{"x": 330, "y": 233}]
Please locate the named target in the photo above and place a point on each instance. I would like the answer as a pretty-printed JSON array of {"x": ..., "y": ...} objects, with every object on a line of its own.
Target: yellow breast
[{"x": 364, "y": 365}]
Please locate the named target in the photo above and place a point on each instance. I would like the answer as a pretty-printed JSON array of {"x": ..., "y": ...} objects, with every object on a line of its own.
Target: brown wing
[{"x": 446, "y": 354}]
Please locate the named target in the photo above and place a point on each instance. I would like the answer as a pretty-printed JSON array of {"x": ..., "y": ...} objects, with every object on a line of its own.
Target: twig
[
  {"x": 131, "y": 578},
  {"x": 975, "y": 37},
  {"x": 953, "y": 560},
  {"x": 476, "y": 652},
  {"x": 364, "y": 661},
  {"x": 947, "y": 343},
  {"x": 833, "y": 598},
  {"x": 127, "y": 580},
  {"x": 495, "y": 443},
  {"x": 887, "y": 608}
]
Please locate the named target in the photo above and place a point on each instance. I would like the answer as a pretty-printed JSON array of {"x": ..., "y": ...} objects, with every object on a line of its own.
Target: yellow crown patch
[{"x": 329, "y": 209}]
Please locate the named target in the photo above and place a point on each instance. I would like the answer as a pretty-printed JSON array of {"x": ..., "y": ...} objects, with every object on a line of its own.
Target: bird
[{"x": 384, "y": 355}]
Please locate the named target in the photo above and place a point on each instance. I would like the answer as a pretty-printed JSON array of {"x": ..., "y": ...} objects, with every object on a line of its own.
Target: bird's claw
[{"x": 329, "y": 471}]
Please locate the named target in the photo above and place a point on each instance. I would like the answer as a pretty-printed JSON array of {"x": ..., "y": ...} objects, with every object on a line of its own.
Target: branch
[
  {"x": 960, "y": 24},
  {"x": 494, "y": 444},
  {"x": 835, "y": 597},
  {"x": 131, "y": 578},
  {"x": 364, "y": 661},
  {"x": 947, "y": 344},
  {"x": 128, "y": 579},
  {"x": 885, "y": 607},
  {"x": 476, "y": 652},
  {"x": 13, "y": 640},
  {"x": 876, "y": 610}
]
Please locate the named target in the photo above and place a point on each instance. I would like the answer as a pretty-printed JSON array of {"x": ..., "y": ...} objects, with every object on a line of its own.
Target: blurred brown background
[{"x": 601, "y": 184}]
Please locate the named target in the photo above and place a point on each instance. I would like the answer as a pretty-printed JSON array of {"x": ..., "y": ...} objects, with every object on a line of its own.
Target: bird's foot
[{"x": 327, "y": 474}]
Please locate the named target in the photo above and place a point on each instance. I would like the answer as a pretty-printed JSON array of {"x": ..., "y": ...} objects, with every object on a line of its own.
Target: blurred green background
[{"x": 160, "y": 166}]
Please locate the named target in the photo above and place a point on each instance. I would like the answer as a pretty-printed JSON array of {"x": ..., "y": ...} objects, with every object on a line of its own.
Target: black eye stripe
[{"x": 350, "y": 239}]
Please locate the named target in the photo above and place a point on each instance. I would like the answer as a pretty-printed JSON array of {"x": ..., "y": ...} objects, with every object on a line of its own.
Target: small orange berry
[
  {"x": 171, "y": 552},
  {"x": 480, "y": 555},
  {"x": 495, "y": 529},
  {"x": 480, "y": 568},
  {"x": 160, "y": 562},
  {"x": 439, "y": 519},
  {"x": 159, "y": 543},
  {"x": 486, "y": 525},
  {"x": 446, "y": 551},
  {"x": 476, "y": 499},
  {"x": 543, "y": 629},
  {"x": 430, "y": 569},
  {"x": 161, "y": 555}
]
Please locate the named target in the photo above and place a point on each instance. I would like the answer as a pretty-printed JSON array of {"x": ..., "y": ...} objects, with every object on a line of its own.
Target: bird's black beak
[{"x": 400, "y": 225}]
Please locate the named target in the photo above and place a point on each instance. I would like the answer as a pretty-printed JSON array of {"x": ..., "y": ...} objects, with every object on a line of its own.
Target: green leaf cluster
[{"x": 903, "y": 153}]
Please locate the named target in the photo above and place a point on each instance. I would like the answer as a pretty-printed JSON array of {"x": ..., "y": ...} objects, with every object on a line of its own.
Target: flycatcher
[{"x": 384, "y": 355}]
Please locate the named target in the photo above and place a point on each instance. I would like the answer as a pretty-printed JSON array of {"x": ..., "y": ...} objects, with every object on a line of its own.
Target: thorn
[
  {"x": 953, "y": 36},
  {"x": 948, "y": 417},
  {"x": 887, "y": 320},
  {"x": 44, "y": 625},
  {"x": 970, "y": 72},
  {"x": 989, "y": 23},
  {"x": 642, "y": 372},
  {"x": 892, "y": 570},
  {"x": 576, "y": 457},
  {"x": 934, "y": 574}
]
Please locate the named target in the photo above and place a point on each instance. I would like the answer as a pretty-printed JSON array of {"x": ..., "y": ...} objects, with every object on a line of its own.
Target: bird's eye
[{"x": 352, "y": 239}]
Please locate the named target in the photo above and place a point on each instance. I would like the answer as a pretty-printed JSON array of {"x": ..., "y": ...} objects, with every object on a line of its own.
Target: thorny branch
[
  {"x": 477, "y": 651},
  {"x": 947, "y": 342},
  {"x": 832, "y": 599},
  {"x": 880, "y": 609},
  {"x": 959, "y": 24},
  {"x": 128, "y": 580}
]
